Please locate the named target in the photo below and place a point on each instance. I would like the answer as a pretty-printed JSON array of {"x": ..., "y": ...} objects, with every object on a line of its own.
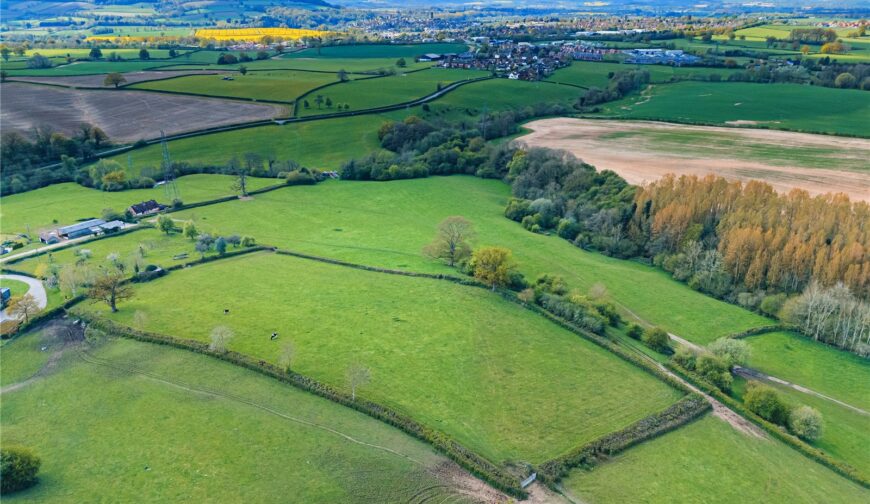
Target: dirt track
[
  {"x": 601, "y": 144},
  {"x": 123, "y": 115}
]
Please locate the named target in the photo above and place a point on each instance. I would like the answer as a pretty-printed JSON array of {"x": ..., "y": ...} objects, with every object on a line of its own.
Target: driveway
[{"x": 37, "y": 290}]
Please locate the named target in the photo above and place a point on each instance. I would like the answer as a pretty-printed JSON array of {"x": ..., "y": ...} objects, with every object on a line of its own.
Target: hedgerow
[
  {"x": 463, "y": 456},
  {"x": 678, "y": 414}
]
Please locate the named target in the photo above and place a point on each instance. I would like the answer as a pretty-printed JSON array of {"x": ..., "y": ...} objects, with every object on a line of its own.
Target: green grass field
[
  {"x": 275, "y": 85},
  {"x": 321, "y": 144},
  {"x": 89, "y": 68},
  {"x": 589, "y": 73},
  {"x": 846, "y": 433},
  {"x": 382, "y": 91},
  {"x": 68, "y": 202},
  {"x": 708, "y": 461},
  {"x": 460, "y": 359},
  {"x": 798, "y": 359},
  {"x": 778, "y": 106},
  {"x": 500, "y": 94},
  {"x": 23, "y": 357},
  {"x": 195, "y": 428},
  {"x": 387, "y": 224},
  {"x": 330, "y": 65},
  {"x": 407, "y": 51}
]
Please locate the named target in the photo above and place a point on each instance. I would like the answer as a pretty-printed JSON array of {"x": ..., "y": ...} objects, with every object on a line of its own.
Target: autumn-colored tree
[
  {"x": 110, "y": 287},
  {"x": 23, "y": 307},
  {"x": 493, "y": 266},
  {"x": 114, "y": 79}
]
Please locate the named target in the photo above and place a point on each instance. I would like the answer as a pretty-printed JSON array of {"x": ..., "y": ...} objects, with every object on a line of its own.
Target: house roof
[
  {"x": 80, "y": 225},
  {"x": 145, "y": 206}
]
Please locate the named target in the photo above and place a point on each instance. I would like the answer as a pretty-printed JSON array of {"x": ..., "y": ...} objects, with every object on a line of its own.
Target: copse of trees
[
  {"x": 620, "y": 84},
  {"x": 18, "y": 469}
]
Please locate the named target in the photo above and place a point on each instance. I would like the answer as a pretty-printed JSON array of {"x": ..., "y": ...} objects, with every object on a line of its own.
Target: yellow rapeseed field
[{"x": 256, "y": 34}]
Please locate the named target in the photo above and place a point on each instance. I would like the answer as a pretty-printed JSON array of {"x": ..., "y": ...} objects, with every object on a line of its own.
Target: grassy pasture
[
  {"x": 846, "y": 433},
  {"x": 308, "y": 64},
  {"x": 323, "y": 144},
  {"x": 387, "y": 224},
  {"x": 378, "y": 92},
  {"x": 68, "y": 202},
  {"x": 589, "y": 73},
  {"x": 505, "y": 382},
  {"x": 160, "y": 439},
  {"x": 798, "y": 359},
  {"x": 779, "y": 106},
  {"x": 708, "y": 461},
  {"x": 275, "y": 85},
  {"x": 21, "y": 358},
  {"x": 407, "y": 51},
  {"x": 500, "y": 94}
]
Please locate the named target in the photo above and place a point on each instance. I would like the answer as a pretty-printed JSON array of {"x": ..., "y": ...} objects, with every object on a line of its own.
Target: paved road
[{"x": 37, "y": 290}]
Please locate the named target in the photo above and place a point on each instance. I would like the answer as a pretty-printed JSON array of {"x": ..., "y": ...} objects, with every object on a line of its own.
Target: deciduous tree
[
  {"x": 114, "y": 79},
  {"x": 110, "y": 287},
  {"x": 493, "y": 266},
  {"x": 23, "y": 306},
  {"x": 452, "y": 242},
  {"x": 357, "y": 376}
]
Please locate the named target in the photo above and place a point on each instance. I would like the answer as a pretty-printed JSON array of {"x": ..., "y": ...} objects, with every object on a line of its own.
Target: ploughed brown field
[
  {"x": 643, "y": 151},
  {"x": 125, "y": 116}
]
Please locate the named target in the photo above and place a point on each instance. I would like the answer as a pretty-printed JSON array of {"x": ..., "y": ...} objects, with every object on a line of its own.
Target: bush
[
  {"x": 657, "y": 339},
  {"x": 766, "y": 403},
  {"x": 18, "y": 469},
  {"x": 771, "y": 305},
  {"x": 733, "y": 352},
  {"x": 715, "y": 371},
  {"x": 635, "y": 331},
  {"x": 806, "y": 423},
  {"x": 300, "y": 177}
]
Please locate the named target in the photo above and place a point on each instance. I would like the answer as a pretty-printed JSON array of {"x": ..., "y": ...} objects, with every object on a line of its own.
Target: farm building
[
  {"x": 80, "y": 229},
  {"x": 429, "y": 57},
  {"x": 5, "y": 294},
  {"x": 145, "y": 208},
  {"x": 49, "y": 237}
]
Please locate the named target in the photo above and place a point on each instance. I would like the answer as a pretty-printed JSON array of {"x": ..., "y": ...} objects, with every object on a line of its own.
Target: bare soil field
[
  {"x": 642, "y": 151},
  {"x": 96, "y": 81},
  {"x": 123, "y": 115}
]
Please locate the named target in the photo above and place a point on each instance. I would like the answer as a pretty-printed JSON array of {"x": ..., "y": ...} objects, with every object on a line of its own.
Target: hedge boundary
[
  {"x": 590, "y": 454},
  {"x": 755, "y": 331},
  {"x": 466, "y": 458},
  {"x": 815, "y": 454}
]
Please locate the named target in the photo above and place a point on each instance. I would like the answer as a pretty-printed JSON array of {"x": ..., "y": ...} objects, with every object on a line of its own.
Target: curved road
[{"x": 37, "y": 290}]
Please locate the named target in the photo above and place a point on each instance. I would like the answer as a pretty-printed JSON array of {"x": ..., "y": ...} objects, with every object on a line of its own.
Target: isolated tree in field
[
  {"x": 328, "y": 102},
  {"x": 38, "y": 61},
  {"x": 5, "y": 52},
  {"x": 493, "y": 266},
  {"x": 3, "y": 75},
  {"x": 288, "y": 351},
  {"x": 19, "y": 50},
  {"x": 144, "y": 54},
  {"x": 24, "y": 306},
  {"x": 306, "y": 104},
  {"x": 241, "y": 182},
  {"x": 806, "y": 423},
  {"x": 401, "y": 63},
  {"x": 18, "y": 469},
  {"x": 342, "y": 75},
  {"x": 114, "y": 79},
  {"x": 243, "y": 70},
  {"x": 220, "y": 339},
  {"x": 95, "y": 53},
  {"x": 657, "y": 339},
  {"x": 165, "y": 224},
  {"x": 189, "y": 230},
  {"x": 72, "y": 278},
  {"x": 110, "y": 288},
  {"x": 805, "y": 49},
  {"x": 318, "y": 100},
  {"x": 452, "y": 241},
  {"x": 357, "y": 376}
]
